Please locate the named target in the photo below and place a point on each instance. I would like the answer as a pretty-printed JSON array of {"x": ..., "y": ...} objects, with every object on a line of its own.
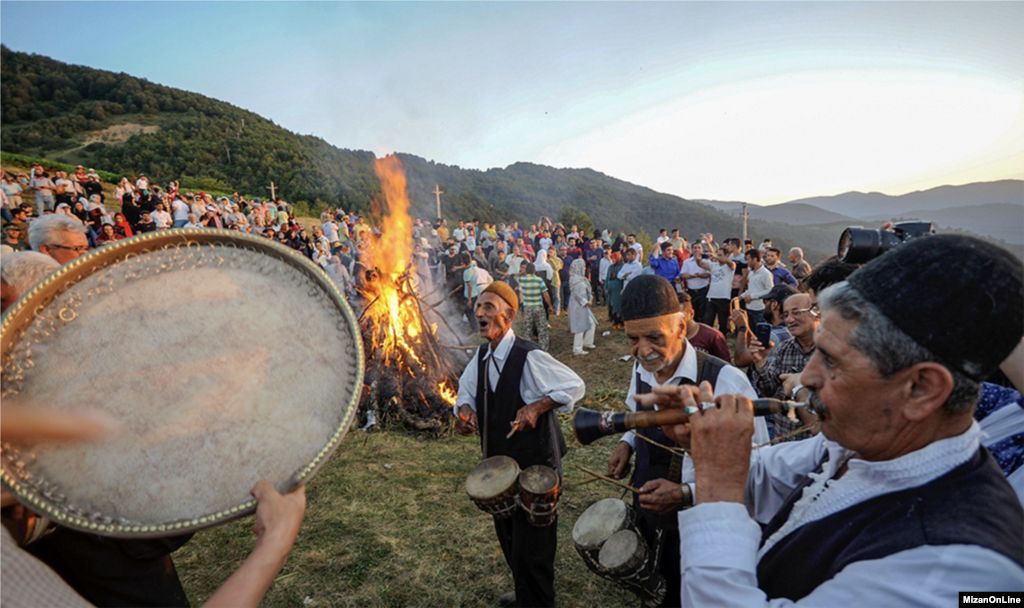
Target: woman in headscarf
[
  {"x": 546, "y": 272},
  {"x": 124, "y": 187},
  {"x": 130, "y": 210},
  {"x": 79, "y": 211},
  {"x": 340, "y": 275},
  {"x": 620, "y": 243},
  {"x": 121, "y": 225},
  {"x": 544, "y": 269},
  {"x": 107, "y": 235},
  {"x": 613, "y": 287},
  {"x": 582, "y": 322}
]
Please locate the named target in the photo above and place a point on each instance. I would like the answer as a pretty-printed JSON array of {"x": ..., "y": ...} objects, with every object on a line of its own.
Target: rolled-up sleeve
[
  {"x": 467, "y": 386},
  {"x": 545, "y": 376}
]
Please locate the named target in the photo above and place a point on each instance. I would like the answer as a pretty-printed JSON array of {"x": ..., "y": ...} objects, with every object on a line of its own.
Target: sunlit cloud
[{"x": 782, "y": 138}]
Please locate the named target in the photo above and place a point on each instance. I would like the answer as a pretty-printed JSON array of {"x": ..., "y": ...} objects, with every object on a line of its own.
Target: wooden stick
[
  {"x": 582, "y": 483},
  {"x": 363, "y": 314},
  {"x": 625, "y": 486}
]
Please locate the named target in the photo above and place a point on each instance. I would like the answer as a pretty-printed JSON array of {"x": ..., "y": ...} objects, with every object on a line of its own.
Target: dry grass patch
[{"x": 406, "y": 534}]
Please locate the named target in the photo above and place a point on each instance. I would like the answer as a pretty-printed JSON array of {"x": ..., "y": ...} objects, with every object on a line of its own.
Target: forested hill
[{"x": 124, "y": 124}]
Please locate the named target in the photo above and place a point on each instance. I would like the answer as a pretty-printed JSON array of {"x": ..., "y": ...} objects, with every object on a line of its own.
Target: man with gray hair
[
  {"x": 62, "y": 237},
  {"x": 800, "y": 268},
  {"x": 895, "y": 502},
  {"x": 19, "y": 272}
]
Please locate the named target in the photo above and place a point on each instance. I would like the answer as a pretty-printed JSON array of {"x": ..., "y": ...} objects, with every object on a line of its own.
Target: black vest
[
  {"x": 653, "y": 462},
  {"x": 497, "y": 409},
  {"x": 971, "y": 505}
]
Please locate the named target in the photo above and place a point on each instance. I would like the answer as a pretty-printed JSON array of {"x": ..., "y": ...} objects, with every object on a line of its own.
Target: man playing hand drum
[{"x": 524, "y": 387}]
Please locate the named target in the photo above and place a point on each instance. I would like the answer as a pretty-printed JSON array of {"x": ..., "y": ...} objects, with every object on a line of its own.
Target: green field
[{"x": 406, "y": 534}]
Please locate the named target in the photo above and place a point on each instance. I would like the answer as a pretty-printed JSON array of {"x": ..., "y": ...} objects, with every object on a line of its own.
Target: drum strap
[
  {"x": 487, "y": 389},
  {"x": 556, "y": 450}
]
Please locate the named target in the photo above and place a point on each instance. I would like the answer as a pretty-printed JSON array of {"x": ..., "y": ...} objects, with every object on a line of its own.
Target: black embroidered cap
[
  {"x": 648, "y": 295},
  {"x": 957, "y": 296}
]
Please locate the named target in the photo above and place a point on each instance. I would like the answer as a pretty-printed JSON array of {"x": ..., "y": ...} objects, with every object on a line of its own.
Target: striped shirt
[{"x": 532, "y": 287}]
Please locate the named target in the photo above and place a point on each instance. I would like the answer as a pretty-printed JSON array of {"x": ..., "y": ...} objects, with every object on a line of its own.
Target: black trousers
[
  {"x": 595, "y": 286},
  {"x": 114, "y": 572},
  {"x": 530, "y": 553},
  {"x": 717, "y": 307},
  {"x": 669, "y": 564},
  {"x": 699, "y": 299}
]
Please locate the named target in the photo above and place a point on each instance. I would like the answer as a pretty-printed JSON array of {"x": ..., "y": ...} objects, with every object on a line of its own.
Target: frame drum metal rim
[{"x": 22, "y": 313}]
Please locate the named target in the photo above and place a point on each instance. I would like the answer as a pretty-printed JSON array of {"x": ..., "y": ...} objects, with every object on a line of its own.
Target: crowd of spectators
[{"x": 726, "y": 289}]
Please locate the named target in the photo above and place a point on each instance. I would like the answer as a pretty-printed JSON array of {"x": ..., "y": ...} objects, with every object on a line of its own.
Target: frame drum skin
[{"x": 226, "y": 359}]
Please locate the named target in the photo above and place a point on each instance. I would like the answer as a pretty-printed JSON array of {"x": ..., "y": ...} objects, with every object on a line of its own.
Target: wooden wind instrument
[{"x": 590, "y": 425}]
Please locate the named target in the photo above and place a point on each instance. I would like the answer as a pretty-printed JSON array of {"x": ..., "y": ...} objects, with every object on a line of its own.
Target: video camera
[{"x": 858, "y": 245}]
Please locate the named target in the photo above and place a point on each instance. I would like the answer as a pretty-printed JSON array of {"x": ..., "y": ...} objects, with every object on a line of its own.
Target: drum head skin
[
  {"x": 492, "y": 477},
  {"x": 226, "y": 359},
  {"x": 601, "y": 520},
  {"x": 538, "y": 479},
  {"x": 620, "y": 549}
]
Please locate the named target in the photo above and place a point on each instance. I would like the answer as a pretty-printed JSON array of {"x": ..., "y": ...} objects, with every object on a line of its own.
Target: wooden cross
[
  {"x": 273, "y": 193},
  {"x": 438, "y": 192}
]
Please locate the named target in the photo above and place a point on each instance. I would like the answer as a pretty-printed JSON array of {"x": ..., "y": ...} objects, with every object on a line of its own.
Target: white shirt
[
  {"x": 543, "y": 376},
  {"x": 662, "y": 239},
  {"x": 633, "y": 270},
  {"x": 759, "y": 283},
  {"x": 719, "y": 541},
  {"x": 602, "y": 269},
  {"x": 731, "y": 381},
  {"x": 515, "y": 264},
  {"x": 545, "y": 243},
  {"x": 690, "y": 266},
  {"x": 330, "y": 231},
  {"x": 142, "y": 183},
  {"x": 180, "y": 209},
  {"x": 162, "y": 219},
  {"x": 459, "y": 235},
  {"x": 721, "y": 281}
]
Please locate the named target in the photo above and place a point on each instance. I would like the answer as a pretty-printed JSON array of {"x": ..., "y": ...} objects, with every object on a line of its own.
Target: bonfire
[{"x": 411, "y": 377}]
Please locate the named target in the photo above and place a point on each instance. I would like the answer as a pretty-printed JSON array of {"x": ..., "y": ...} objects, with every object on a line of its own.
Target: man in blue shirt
[
  {"x": 666, "y": 266},
  {"x": 780, "y": 275}
]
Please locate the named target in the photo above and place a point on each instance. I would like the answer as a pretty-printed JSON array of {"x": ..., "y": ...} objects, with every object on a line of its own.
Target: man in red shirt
[{"x": 703, "y": 337}]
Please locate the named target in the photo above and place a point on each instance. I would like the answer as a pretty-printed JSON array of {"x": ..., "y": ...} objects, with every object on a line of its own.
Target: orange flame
[
  {"x": 395, "y": 247},
  {"x": 447, "y": 393}
]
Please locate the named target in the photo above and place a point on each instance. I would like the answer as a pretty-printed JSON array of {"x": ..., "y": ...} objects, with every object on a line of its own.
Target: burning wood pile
[{"x": 410, "y": 377}]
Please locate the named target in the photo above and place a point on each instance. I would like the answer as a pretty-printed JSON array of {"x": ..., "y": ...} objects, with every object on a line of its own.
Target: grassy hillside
[{"x": 127, "y": 125}]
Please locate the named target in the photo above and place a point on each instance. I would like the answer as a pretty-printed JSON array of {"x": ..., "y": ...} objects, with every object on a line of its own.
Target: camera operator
[{"x": 895, "y": 502}]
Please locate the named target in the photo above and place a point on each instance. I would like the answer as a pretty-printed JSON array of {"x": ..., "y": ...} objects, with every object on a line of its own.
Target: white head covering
[
  {"x": 578, "y": 273},
  {"x": 542, "y": 266}
]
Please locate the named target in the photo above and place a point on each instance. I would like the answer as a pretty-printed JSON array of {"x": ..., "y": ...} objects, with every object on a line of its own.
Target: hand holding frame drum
[{"x": 157, "y": 333}]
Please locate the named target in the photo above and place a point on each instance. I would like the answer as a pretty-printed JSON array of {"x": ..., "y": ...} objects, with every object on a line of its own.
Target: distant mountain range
[
  {"x": 994, "y": 209},
  {"x": 127, "y": 125}
]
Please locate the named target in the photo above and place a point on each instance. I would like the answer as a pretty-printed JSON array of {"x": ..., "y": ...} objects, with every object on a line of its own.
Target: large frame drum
[{"x": 226, "y": 358}]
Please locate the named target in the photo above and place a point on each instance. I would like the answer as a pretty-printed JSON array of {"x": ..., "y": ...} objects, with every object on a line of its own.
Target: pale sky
[{"x": 763, "y": 102}]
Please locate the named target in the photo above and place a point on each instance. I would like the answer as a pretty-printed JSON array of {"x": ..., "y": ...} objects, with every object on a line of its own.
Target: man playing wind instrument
[{"x": 895, "y": 502}]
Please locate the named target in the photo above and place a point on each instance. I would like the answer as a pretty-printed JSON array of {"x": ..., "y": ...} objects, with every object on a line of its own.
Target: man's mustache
[{"x": 817, "y": 404}]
